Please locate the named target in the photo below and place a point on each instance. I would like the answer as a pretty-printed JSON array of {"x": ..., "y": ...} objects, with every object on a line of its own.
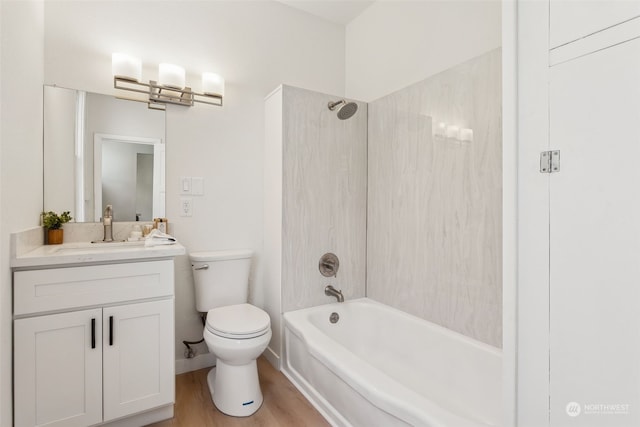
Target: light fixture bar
[
  {"x": 159, "y": 94},
  {"x": 130, "y": 85},
  {"x": 204, "y": 98},
  {"x": 150, "y": 105},
  {"x": 124, "y": 83}
]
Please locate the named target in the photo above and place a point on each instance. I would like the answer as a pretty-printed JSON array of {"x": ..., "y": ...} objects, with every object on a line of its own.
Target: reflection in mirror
[
  {"x": 100, "y": 150},
  {"x": 128, "y": 174}
]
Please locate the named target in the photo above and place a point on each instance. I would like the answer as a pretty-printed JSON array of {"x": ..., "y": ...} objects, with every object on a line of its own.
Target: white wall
[
  {"x": 59, "y": 123},
  {"x": 21, "y": 26},
  {"x": 255, "y": 46},
  {"x": 393, "y": 44}
]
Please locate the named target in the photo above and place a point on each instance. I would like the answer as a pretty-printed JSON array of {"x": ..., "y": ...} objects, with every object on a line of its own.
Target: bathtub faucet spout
[{"x": 333, "y": 292}]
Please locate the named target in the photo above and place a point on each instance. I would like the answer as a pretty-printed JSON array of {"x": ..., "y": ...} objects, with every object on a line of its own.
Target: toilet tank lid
[{"x": 221, "y": 255}]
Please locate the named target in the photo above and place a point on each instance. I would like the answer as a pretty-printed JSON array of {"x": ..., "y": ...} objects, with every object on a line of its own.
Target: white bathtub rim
[
  {"x": 343, "y": 363},
  {"x": 434, "y": 326}
]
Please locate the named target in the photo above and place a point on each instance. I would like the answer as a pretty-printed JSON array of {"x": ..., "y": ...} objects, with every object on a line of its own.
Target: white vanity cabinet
[
  {"x": 93, "y": 344},
  {"x": 137, "y": 358},
  {"x": 58, "y": 373}
]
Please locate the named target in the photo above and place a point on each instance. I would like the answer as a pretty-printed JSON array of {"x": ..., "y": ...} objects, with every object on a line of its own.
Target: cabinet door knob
[{"x": 93, "y": 332}]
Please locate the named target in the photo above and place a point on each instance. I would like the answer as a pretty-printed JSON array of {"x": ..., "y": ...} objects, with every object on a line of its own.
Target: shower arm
[{"x": 332, "y": 105}]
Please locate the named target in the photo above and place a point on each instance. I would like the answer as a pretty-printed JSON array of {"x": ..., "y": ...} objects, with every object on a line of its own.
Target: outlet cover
[{"x": 186, "y": 206}]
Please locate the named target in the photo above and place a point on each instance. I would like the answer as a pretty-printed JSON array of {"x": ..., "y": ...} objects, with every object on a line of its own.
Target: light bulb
[
  {"x": 171, "y": 76},
  {"x": 212, "y": 84},
  {"x": 126, "y": 66}
]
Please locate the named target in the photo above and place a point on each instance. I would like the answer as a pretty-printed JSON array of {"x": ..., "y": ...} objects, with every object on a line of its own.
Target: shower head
[{"x": 346, "y": 110}]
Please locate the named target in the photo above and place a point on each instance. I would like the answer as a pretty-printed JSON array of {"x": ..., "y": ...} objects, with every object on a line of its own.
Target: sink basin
[
  {"x": 112, "y": 242},
  {"x": 78, "y": 248}
]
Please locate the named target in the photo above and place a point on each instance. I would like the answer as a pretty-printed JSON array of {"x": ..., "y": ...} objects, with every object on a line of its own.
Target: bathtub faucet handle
[
  {"x": 330, "y": 291},
  {"x": 329, "y": 265}
]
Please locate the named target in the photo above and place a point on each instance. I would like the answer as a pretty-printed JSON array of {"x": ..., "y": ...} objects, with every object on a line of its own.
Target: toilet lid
[{"x": 238, "y": 321}]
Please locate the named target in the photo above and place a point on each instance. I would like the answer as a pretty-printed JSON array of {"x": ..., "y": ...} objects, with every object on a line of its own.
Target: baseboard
[
  {"x": 143, "y": 419},
  {"x": 199, "y": 362},
  {"x": 273, "y": 358},
  {"x": 207, "y": 360}
]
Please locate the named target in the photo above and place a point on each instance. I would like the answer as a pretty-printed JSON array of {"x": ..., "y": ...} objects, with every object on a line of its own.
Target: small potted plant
[{"x": 53, "y": 223}]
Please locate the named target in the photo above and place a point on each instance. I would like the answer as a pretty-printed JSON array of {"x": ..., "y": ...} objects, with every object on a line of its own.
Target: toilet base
[{"x": 237, "y": 389}]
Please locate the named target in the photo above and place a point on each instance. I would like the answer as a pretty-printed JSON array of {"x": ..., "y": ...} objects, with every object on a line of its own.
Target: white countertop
[{"x": 90, "y": 253}]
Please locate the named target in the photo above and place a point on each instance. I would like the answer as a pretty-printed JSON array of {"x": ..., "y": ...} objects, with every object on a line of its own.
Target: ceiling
[{"x": 336, "y": 11}]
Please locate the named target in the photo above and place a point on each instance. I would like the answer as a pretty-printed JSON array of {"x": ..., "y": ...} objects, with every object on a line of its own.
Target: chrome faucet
[
  {"x": 330, "y": 291},
  {"x": 107, "y": 221}
]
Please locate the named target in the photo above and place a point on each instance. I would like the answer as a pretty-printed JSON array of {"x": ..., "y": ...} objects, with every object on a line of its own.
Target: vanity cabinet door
[
  {"x": 58, "y": 369},
  {"x": 138, "y": 357}
]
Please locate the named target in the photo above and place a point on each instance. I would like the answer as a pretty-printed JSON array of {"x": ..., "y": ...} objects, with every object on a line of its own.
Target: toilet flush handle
[{"x": 202, "y": 267}]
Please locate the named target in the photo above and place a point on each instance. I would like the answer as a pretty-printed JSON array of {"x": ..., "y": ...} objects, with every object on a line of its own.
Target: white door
[
  {"x": 58, "y": 369},
  {"x": 138, "y": 357},
  {"x": 595, "y": 239}
]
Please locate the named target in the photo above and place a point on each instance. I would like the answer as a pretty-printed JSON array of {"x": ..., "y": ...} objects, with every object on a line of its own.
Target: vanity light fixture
[{"x": 171, "y": 85}]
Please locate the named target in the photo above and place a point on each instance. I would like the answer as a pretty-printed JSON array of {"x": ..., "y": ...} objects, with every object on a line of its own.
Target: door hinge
[{"x": 550, "y": 161}]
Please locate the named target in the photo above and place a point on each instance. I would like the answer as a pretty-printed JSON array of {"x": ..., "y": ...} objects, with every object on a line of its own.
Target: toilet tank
[{"x": 221, "y": 277}]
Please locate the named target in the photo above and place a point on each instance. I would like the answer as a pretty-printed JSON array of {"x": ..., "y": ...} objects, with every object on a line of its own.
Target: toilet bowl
[
  {"x": 235, "y": 332},
  {"x": 237, "y": 335}
]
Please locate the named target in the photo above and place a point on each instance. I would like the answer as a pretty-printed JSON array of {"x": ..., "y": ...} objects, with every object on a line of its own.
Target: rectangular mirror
[{"x": 100, "y": 150}]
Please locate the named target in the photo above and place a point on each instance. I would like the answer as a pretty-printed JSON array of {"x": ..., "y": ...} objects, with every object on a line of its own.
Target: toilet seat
[{"x": 240, "y": 321}]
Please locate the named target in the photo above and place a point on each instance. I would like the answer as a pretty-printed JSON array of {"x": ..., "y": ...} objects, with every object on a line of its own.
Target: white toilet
[{"x": 236, "y": 332}]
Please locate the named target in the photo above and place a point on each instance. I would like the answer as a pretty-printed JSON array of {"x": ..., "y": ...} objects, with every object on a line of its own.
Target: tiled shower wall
[
  {"x": 434, "y": 227},
  {"x": 324, "y": 196}
]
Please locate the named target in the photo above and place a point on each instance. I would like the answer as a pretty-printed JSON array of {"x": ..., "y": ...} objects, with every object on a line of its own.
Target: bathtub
[{"x": 378, "y": 366}]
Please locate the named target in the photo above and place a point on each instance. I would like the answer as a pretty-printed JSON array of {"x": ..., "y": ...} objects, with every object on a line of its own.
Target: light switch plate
[
  {"x": 185, "y": 185},
  {"x": 197, "y": 186}
]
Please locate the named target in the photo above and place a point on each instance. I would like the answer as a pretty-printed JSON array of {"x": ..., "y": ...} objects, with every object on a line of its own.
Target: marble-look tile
[
  {"x": 324, "y": 198},
  {"x": 434, "y": 205}
]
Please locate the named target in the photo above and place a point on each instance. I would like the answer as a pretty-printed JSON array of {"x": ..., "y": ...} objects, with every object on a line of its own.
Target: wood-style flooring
[{"x": 283, "y": 404}]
